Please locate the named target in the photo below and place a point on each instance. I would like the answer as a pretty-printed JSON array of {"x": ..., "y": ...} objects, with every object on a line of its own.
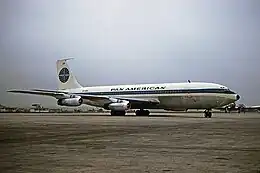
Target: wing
[
  {"x": 252, "y": 107},
  {"x": 63, "y": 94},
  {"x": 42, "y": 93}
]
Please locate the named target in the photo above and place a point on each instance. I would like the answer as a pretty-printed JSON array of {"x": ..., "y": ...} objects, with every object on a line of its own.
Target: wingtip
[{"x": 13, "y": 90}]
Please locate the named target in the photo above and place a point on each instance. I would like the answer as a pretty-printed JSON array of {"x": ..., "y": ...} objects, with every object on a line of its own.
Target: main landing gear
[
  {"x": 137, "y": 113},
  {"x": 142, "y": 112},
  {"x": 118, "y": 113},
  {"x": 207, "y": 113}
]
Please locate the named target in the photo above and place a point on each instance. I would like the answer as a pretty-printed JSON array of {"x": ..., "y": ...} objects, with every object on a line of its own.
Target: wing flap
[
  {"x": 131, "y": 100},
  {"x": 141, "y": 100}
]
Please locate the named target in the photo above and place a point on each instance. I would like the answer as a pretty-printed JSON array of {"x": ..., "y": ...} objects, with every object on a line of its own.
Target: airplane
[
  {"x": 141, "y": 97},
  {"x": 239, "y": 107}
]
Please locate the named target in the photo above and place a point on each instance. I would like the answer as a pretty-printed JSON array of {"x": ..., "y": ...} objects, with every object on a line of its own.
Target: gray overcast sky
[{"x": 129, "y": 41}]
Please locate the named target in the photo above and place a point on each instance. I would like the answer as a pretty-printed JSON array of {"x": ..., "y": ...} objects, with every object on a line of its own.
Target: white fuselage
[{"x": 173, "y": 96}]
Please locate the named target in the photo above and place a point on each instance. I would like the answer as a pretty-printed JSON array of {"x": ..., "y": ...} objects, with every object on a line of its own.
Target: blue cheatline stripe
[{"x": 179, "y": 91}]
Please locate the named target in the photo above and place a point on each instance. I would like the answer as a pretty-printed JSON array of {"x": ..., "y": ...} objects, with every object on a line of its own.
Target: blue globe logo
[{"x": 64, "y": 75}]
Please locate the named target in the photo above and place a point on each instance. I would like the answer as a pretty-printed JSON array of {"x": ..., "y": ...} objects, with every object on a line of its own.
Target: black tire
[
  {"x": 207, "y": 114},
  {"x": 137, "y": 112},
  {"x": 147, "y": 113}
]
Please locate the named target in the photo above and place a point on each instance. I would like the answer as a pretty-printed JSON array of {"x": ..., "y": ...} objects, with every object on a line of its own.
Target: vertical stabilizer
[{"x": 66, "y": 79}]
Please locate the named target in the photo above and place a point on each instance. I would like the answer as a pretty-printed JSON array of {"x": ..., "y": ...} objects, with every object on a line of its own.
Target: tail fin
[{"x": 66, "y": 79}]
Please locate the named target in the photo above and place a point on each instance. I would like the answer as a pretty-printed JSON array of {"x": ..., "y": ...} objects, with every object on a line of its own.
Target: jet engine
[
  {"x": 119, "y": 106},
  {"x": 70, "y": 101}
]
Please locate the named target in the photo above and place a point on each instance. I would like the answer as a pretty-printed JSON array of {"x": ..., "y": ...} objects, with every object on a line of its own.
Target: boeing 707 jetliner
[{"x": 120, "y": 98}]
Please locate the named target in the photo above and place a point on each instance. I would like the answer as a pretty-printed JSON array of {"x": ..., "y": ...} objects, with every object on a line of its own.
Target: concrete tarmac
[{"x": 177, "y": 143}]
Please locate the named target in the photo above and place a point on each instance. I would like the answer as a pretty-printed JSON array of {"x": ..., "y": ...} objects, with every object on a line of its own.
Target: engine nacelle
[
  {"x": 119, "y": 106},
  {"x": 70, "y": 101}
]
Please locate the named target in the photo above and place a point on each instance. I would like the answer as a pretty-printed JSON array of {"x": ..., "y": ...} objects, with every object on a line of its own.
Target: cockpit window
[{"x": 228, "y": 91}]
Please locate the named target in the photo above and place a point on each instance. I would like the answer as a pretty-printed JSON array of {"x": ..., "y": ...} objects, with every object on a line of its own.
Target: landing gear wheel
[
  {"x": 207, "y": 114},
  {"x": 142, "y": 113},
  {"x": 146, "y": 112},
  {"x": 118, "y": 113},
  {"x": 137, "y": 112}
]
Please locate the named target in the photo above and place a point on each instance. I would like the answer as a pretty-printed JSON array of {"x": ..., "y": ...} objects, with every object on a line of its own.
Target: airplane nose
[{"x": 238, "y": 97}]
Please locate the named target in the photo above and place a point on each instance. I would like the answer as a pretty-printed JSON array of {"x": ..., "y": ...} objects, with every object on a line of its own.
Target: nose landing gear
[{"x": 207, "y": 113}]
